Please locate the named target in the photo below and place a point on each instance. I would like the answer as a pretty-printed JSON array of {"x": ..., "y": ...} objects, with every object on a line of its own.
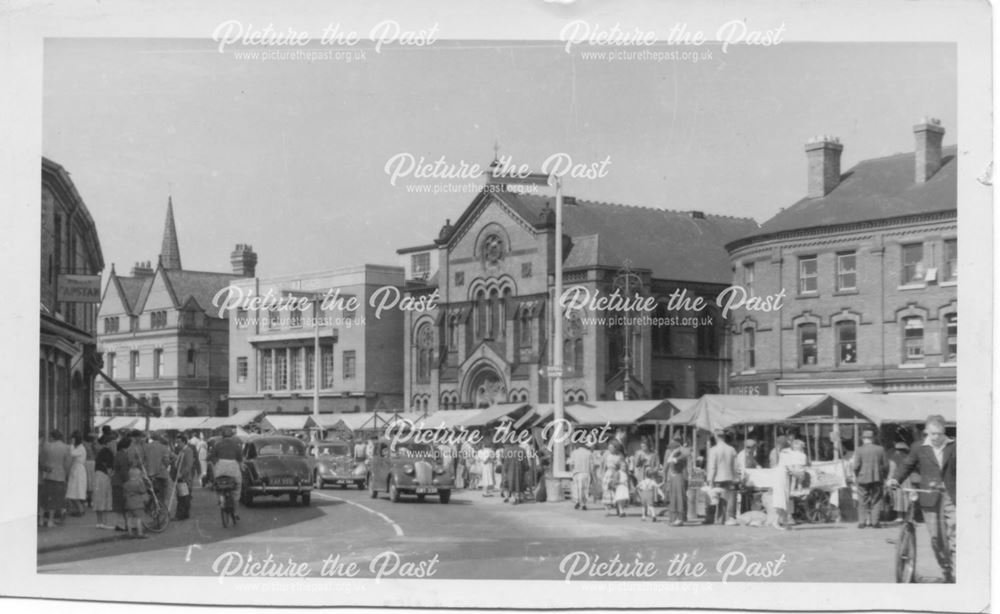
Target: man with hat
[
  {"x": 899, "y": 498},
  {"x": 871, "y": 467},
  {"x": 721, "y": 474}
]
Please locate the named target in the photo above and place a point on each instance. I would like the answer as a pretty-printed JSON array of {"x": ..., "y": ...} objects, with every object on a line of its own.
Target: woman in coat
[{"x": 76, "y": 483}]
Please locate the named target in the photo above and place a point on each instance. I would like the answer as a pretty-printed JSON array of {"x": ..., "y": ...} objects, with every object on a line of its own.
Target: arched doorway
[
  {"x": 485, "y": 387},
  {"x": 190, "y": 411}
]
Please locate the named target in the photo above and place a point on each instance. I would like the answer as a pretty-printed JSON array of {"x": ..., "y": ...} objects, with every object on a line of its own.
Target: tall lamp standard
[
  {"x": 314, "y": 298},
  {"x": 555, "y": 370}
]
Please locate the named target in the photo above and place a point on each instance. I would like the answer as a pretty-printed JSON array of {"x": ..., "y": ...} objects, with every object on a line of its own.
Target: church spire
[{"x": 170, "y": 252}]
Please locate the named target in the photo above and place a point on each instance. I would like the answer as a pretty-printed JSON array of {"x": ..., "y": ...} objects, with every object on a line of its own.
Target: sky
[{"x": 290, "y": 156}]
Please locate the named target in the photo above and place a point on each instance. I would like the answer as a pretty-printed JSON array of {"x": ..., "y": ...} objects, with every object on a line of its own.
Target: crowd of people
[{"x": 114, "y": 474}]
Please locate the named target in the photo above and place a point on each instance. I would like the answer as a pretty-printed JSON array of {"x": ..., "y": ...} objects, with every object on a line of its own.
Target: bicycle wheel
[
  {"x": 225, "y": 516},
  {"x": 906, "y": 554},
  {"x": 157, "y": 516}
]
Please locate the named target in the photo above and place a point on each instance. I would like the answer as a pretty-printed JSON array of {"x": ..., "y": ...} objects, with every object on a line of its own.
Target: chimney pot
[
  {"x": 823, "y": 156},
  {"x": 244, "y": 260},
  {"x": 927, "y": 159}
]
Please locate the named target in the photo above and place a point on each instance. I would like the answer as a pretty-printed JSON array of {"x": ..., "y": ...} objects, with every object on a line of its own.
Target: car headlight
[{"x": 408, "y": 469}]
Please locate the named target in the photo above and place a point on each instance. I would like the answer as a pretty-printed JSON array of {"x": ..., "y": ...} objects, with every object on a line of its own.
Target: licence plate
[
  {"x": 424, "y": 491},
  {"x": 282, "y": 482}
]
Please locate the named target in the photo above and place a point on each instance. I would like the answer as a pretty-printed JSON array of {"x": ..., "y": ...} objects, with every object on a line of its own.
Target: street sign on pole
[{"x": 553, "y": 371}]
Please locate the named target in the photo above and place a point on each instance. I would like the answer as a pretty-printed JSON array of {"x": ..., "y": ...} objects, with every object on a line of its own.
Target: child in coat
[
  {"x": 647, "y": 488},
  {"x": 135, "y": 502},
  {"x": 621, "y": 489}
]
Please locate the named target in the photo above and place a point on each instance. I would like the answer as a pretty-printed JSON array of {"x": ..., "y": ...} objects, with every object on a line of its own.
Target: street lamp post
[
  {"x": 555, "y": 370},
  {"x": 314, "y": 298}
]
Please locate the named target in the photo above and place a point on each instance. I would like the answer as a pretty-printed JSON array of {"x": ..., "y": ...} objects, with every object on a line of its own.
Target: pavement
[{"x": 475, "y": 537}]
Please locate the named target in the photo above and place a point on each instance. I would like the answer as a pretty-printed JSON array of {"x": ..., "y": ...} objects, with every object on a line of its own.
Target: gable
[
  {"x": 112, "y": 303},
  {"x": 159, "y": 295}
]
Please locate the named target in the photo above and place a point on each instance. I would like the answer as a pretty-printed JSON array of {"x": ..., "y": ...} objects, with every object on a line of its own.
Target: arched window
[
  {"x": 425, "y": 352},
  {"x": 847, "y": 342},
  {"x": 493, "y": 325},
  {"x": 105, "y": 403},
  {"x": 118, "y": 402},
  {"x": 526, "y": 333},
  {"x": 913, "y": 340},
  {"x": 578, "y": 357},
  {"x": 453, "y": 332},
  {"x": 950, "y": 349},
  {"x": 808, "y": 346},
  {"x": 482, "y": 314},
  {"x": 749, "y": 348}
]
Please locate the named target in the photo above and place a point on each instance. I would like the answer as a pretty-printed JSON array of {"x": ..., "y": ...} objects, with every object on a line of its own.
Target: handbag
[{"x": 183, "y": 490}]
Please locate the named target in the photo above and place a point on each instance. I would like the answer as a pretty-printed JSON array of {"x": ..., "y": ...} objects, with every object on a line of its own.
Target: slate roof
[
  {"x": 673, "y": 245},
  {"x": 874, "y": 189},
  {"x": 199, "y": 285}
]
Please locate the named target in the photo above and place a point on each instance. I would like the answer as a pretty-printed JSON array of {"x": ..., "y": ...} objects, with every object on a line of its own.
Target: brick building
[
  {"x": 361, "y": 353},
  {"x": 867, "y": 261},
  {"x": 491, "y": 272},
  {"x": 161, "y": 339},
  {"x": 70, "y": 254}
]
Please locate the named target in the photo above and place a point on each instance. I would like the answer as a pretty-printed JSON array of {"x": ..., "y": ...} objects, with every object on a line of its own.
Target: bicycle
[
  {"x": 906, "y": 543},
  {"x": 224, "y": 487},
  {"x": 156, "y": 514}
]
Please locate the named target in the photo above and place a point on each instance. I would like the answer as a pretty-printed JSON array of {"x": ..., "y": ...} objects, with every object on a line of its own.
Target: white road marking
[{"x": 396, "y": 527}]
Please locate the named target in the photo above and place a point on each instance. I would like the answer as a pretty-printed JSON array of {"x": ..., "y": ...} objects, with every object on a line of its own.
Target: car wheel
[
  {"x": 444, "y": 496},
  {"x": 306, "y": 498},
  {"x": 317, "y": 481},
  {"x": 361, "y": 484},
  {"x": 343, "y": 486},
  {"x": 393, "y": 491},
  {"x": 421, "y": 497},
  {"x": 246, "y": 497},
  {"x": 371, "y": 488},
  {"x": 293, "y": 497}
]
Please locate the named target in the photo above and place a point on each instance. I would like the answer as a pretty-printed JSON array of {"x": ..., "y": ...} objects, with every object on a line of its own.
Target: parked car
[
  {"x": 276, "y": 465},
  {"x": 411, "y": 468},
  {"x": 336, "y": 464}
]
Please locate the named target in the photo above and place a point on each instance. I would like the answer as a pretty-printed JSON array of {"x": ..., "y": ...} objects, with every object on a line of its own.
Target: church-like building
[
  {"x": 160, "y": 338},
  {"x": 489, "y": 340}
]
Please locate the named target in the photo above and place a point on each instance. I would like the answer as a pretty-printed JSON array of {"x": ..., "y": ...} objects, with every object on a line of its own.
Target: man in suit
[
  {"x": 934, "y": 460},
  {"x": 722, "y": 474},
  {"x": 871, "y": 467}
]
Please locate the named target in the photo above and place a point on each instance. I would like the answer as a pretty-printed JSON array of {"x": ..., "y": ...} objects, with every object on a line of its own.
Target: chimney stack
[
  {"x": 244, "y": 260},
  {"x": 929, "y": 134},
  {"x": 142, "y": 269},
  {"x": 823, "y": 155}
]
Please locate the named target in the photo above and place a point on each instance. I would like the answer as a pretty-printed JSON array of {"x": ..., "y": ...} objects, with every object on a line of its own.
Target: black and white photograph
[{"x": 586, "y": 305}]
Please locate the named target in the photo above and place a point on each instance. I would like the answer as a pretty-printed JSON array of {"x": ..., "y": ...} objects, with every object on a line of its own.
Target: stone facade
[
  {"x": 489, "y": 339},
  {"x": 361, "y": 349}
]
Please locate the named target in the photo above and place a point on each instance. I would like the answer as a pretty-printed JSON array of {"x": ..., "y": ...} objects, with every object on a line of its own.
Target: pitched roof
[
  {"x": 873, "y": 189},
  {"x": 674, "y": 245},
  {"x": 199, "y": 285},
  {"x": 133, "y": 290}
]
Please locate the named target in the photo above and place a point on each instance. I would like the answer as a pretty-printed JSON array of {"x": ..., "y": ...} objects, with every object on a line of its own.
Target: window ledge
[
  {"x": 807, "y": 295},
  {"x": 913, "y": 365},
  {"x": 948, "y": 364},
  {"x": 912, "y": 287},
  {"x": 846, "y": 292},
  {"x": 948, "y": 284},
  {"x": 749, "y": 372}
]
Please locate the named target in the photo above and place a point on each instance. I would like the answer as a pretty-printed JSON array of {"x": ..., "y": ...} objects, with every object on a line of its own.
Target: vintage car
[
  {"x": 409, "y": 468},
  {"x": 335, "y": 464},
  {"x": 276, "y": 465}
]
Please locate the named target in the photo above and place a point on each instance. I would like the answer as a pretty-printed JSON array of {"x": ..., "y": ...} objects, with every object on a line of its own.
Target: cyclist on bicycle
[
  {"x": 934, "y": 460},
  {"x": 226, "y": 457}
]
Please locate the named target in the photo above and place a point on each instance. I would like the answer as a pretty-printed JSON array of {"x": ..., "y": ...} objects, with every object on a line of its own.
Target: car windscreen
[
  {"x": 334, "y": 450},
  {"x": 280, "y": 448}
]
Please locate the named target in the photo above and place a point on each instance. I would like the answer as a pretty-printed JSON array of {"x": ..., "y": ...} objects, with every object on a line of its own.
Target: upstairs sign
[{"x": 78, "y": 288}]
